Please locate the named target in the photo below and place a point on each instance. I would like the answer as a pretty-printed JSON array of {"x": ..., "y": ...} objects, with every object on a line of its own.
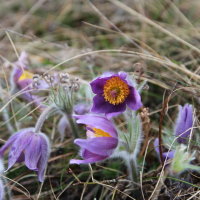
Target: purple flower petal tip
[
  {"x": 113, "y": 93},
  {"x": 184, "y": 123}
]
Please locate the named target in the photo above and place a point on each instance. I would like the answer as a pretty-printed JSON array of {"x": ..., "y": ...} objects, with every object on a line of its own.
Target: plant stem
[
  {"x": 43, "y": 117},
  {"x": 72, "y": 124},
  {"x": 132, "y": 169}
]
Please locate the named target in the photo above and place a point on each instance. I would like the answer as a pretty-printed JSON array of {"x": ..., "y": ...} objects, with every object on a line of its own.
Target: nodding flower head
[
  {"x": 102, "y": 139},
  {"x": 29, "y": 147},
  {"x": 113, "y": 93},
  {"x": 184, "y": 123}
]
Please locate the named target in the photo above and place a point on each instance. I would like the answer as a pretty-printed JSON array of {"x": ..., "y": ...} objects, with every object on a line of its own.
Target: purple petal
[
  {"x": 134, "y": 100},
  {"x": 184, "y": 123},
  {"x": 88, "y": 158},
  {"x": 98, "y": 84},
  {"x": 10, "y": 142},
  {"x": 45, "y": 152},
  {"x": 18, "y": 147},
  {"x": 168, "y": 155},
  {"x": 23, "y": 59},
  {"x": 33, "y": 152},
  {"x": 16, "y": 73},
  {"x": 103, "y": 146},
  {"x": 107, "y": 74},
  {"x": 98, "y": 122},
  {"x": 122, "y": 75},
  {"x": 165, "y": 155},
  {"x": 102, "y": 106},
  {"x": 26, "y": 83}
]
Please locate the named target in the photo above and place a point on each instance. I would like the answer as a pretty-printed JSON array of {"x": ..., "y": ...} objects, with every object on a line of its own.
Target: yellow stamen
[
  {"x": 26, "y": 75},
  {"x": 100, "y": 133},
  {"x": 115, "y": 90}
]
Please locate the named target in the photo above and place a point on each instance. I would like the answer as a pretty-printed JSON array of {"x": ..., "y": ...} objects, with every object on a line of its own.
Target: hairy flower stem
[
  {"x": 73, "y": 126},
  {"x": 132, "y": 169},
  {"x": 6, "y": 118},
  {"x": 43, "y": 117}
]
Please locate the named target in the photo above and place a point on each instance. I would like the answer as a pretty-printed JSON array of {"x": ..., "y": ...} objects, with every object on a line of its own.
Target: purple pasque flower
[
  {"x": 29, "y": 147},
  {"x": 184, "y": 123},
  {"x": 182, "y": 130},
  {"x": 113, "y": 93},
  {"x": 22, "y": 79},
  {"x": 102, "y": 139}
]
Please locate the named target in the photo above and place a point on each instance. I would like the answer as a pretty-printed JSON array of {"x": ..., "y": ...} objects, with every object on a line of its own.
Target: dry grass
[{"x": 155, "y": 40}]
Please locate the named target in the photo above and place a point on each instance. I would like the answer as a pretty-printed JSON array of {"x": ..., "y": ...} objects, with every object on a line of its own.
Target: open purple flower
[
  {"x": 183, "y": 128},
  {"x": 102, "y": 139},
  {"x": 113, "y": 93},
  {"x": 29, "y": 147},
  {"x": 184, "y": 123}
]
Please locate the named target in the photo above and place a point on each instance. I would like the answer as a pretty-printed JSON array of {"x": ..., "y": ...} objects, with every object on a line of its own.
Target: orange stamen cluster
[
  {"x": 115, "y": 90},
  {"x": 100, "y": 133}
]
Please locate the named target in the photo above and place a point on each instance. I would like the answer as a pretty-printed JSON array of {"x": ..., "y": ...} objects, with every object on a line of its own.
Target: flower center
[
  {"x": 115, "y": 91},
  {"x": 25, "y": 75},
  {"x": 100, "y": 133}
]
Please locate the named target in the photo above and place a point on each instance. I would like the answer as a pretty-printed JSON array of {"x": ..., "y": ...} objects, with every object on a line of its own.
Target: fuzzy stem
[
  {"x": 6, "y": 118},
  {"x": 73, "y": 126},
  {"x": 132, "y": 169},
  {"x": 43, "y": 117}
]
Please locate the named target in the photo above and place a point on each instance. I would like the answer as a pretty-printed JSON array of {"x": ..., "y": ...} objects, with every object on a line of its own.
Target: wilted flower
[
  {"x": 113, "y": 93},
  {"x": 183, "y": 128},
  {"x": 184, "y": 123},
  {"x": 102, "y": 139},
  {"x": 64, "y": 125},
  {"x": 29, "y": 147}
]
